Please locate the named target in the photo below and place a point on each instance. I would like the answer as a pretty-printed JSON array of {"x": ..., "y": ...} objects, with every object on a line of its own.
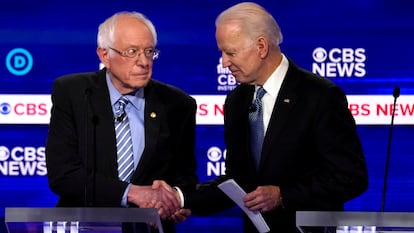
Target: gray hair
[
  {"x": 255, "y": 21},
  {"x": 106, "y": 30}
]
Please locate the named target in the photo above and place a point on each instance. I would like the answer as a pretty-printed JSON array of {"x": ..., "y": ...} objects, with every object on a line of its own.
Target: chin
[
  {"x": 242, "y": 79},
  {"x": 140, "y": 83}
]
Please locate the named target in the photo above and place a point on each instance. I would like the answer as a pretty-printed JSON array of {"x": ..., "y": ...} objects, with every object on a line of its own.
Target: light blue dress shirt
[{"x": 135, "y": 113}]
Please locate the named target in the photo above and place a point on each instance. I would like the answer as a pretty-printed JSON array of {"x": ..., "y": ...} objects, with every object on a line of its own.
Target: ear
[
  {"x": 103, "y": 55},
  {"x": 262, "y": 46}
]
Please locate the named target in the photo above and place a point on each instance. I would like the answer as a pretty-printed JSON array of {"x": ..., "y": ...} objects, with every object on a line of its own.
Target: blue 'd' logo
[
  {"x": 5, "y": 108},
  {"x": 19, "y": 61}
]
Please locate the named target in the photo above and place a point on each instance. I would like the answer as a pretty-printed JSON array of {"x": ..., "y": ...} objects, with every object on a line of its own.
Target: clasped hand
[{"x": 161, "y": 196}]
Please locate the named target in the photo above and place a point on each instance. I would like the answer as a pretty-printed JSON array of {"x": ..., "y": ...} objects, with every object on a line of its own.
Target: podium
[
  {"x": 354, "y": 222},
  {"x": 81, "y": 220}
]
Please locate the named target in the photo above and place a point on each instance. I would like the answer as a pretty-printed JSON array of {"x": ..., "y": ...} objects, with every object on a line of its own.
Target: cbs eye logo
[
  {"x": 4, "y": 153},
  {"x": 319, "y": 55},
  {"x": 5, "y": 108},
  {"x": 19, "y": 61},
  {"x": 214, "y": 154}
]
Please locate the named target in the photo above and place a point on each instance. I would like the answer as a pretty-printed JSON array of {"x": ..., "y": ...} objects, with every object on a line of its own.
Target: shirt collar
[
  {"x": 274, "y": 82},
  {"x": 114, "y": 94}
]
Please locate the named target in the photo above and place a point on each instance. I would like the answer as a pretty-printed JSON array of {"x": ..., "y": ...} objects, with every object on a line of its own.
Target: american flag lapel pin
[{"x": 286, "y": 101}]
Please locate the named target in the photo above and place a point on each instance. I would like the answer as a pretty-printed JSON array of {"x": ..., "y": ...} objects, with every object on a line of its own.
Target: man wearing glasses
[{"x": 114, "y": 132}]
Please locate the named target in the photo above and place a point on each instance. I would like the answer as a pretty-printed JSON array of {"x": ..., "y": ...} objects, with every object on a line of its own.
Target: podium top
[
  {"x": 110, "y": 220},
  {"x": 81, "y": 214},
  {"x": 379, "y": 219}
]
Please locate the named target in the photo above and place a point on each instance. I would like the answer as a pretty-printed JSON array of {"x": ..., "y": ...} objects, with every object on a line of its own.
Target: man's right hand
[{"x": 162, "y": 197}]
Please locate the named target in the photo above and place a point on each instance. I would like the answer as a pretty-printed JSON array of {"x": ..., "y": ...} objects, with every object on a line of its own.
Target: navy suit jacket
[
  {"x": 311, "y": 150},
  {"x": 81, "y": 131}
]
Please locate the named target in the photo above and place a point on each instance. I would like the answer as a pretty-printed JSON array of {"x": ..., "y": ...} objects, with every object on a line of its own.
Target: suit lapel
[
  {"x": 154, "y": 114},
  {"x": 285, "y": 101},
  {"x": 239, "y": 109},
  {"x": 105, "y": 134}
]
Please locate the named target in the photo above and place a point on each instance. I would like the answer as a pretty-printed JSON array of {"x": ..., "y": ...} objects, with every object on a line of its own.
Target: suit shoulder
[
  {"x": 76, "y": 77},
  {"x": 310, "y": 84},
  {"x": 313, "y": 79},
  {"x": 299, "y": 74},
  {"x": 240, "y": 90},
  {"x": 75, "y": 81},
  {"x": 170, "y": 92}
]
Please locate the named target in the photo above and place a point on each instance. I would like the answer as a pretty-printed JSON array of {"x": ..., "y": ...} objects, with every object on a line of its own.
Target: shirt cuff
[
  {"x": 180, "y": 193},
  {"x": 124, "y": 200}
]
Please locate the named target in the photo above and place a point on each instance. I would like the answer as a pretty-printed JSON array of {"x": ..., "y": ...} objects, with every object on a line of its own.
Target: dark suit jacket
[
  {"x": 82, "y": 131},
  {"x": 311, "y": 150}
]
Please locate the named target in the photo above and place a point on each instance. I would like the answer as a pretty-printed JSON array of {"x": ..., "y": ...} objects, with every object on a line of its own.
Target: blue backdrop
[{"x": 363, "y": 46}]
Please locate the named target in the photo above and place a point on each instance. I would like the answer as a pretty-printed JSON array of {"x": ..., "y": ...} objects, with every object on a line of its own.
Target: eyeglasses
[{"x": 132, "y": 52}]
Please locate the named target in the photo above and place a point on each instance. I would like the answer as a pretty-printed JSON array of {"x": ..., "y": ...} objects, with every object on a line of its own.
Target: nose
[{"x": 225, "y": 60}]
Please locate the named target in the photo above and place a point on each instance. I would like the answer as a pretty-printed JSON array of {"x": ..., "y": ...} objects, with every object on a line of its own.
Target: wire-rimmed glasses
[{"x": 133, "y": 52}]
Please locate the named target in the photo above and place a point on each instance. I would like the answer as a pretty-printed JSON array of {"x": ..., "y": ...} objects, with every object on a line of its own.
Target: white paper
[{"x": 236, "y": 193}]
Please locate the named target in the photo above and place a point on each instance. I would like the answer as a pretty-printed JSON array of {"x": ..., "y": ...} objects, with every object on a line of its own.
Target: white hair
[
  {"x": 106, "y": 30},
  {"x": 255, "y": 21}
]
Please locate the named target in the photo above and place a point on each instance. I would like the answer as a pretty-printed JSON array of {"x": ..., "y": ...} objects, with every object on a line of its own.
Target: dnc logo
[{"x": 19, "y": 61}]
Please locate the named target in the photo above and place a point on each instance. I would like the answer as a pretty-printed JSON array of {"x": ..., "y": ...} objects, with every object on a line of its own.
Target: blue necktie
[
  {"x": 124, "y": 141},
  {"x": 256, "y": 126}
]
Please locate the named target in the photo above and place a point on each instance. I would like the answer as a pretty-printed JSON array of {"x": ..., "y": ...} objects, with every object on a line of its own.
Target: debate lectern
[
  {"x": 82, "y": 220},
  {"x": 354, "y": 222}
]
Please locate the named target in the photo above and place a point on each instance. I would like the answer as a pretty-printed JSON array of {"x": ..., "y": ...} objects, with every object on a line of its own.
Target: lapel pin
[
  {"x": 153, "y": 115},
  {"x": 286, "y": 101}
]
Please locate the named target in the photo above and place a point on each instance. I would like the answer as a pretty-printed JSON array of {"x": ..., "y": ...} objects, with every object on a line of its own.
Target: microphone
[
  {"x": 396, "y": 94},
  {"x": 90, "y": 170},
  {"x": 121, "y": 117}
]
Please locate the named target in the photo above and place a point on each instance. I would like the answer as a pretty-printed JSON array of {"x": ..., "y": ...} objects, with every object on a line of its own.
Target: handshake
[{"x": 161, "y": 196}]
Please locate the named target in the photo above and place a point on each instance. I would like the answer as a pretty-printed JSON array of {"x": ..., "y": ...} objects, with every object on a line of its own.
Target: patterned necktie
[
  {"x": 124, "y": 141},
  {"x": 256, "y": 126}
]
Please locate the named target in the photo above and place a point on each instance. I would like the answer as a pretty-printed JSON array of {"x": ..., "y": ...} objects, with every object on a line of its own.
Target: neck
[{"x": 269, "y": 66}]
